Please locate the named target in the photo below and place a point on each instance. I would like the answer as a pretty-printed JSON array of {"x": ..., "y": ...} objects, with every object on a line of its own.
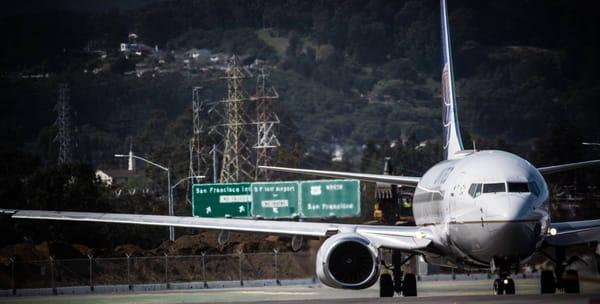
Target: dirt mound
[
  {"x": 130, "y": 249},
  {"x": 41, "y": 251}
]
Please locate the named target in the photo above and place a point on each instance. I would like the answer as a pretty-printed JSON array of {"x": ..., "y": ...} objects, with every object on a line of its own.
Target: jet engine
[{"x": 347, "y": 261}]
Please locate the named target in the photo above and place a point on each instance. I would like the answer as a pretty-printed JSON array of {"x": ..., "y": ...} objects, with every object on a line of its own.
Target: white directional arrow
[
  {"x": 208, "y": 210},
  {"x": 275, "y": 210},
  {"x": 242, "y": 209}
]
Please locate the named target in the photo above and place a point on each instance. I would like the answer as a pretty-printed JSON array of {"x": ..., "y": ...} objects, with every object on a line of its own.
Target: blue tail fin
[{"x": 452, "y": 140}]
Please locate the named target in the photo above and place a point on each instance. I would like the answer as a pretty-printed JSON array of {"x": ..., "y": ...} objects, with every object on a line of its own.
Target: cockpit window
[
  {"x": 534, "y": 188},
  {"x": 475, "y": 190},
  {"x": 493, "y": 188},
  {"x": 518, "y": 187}
]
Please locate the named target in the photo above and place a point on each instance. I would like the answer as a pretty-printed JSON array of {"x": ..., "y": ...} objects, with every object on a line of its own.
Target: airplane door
[{"x": 452, "y": 203}]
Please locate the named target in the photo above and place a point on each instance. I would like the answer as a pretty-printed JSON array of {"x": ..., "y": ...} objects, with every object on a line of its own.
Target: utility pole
[
  {"x": 64, "y": 125},
  {"x": 237, "y": 164},
  {"x": 266, "y": 120}
]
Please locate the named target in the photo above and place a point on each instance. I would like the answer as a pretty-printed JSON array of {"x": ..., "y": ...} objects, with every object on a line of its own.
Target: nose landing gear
[{"x": 504, "y": 286}]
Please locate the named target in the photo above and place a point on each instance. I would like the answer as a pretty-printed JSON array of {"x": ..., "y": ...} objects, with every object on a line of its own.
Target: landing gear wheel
[
  {"x": 509, "y": 287},
  {"x": 571, "y": 281},
  {"x": 498, "y": 287},
  {"x": 547, "y": 282},
  {"x": 409, "y": 286},
  {"x": 386, "y": 286}
]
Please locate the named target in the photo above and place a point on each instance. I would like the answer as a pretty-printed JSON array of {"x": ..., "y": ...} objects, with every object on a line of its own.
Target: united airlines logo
[{"x": 447, "y": 105}]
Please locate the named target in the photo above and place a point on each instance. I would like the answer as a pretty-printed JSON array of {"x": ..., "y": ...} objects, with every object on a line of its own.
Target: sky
[{"x": 24, "y": 6}]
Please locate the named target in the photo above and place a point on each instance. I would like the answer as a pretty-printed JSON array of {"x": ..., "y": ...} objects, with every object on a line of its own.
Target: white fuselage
[{"x": 487, "y": 205}]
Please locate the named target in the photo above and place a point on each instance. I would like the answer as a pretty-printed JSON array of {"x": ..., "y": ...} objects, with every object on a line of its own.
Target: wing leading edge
[
  {"x": 573, "y": 233},
  {"x": 566, "y": 167},
  {"x": 410, "y": 181},
  {"x": 397, "y": 237}
]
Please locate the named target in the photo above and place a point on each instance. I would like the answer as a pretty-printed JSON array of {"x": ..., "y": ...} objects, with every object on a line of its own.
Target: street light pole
[
  {"x": 171, "y": 228},
  {"x": 169, "y": 190}
]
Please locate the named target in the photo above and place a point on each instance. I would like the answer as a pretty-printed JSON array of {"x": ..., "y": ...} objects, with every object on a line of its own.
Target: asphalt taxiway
[{"x": 467, "y": 291}]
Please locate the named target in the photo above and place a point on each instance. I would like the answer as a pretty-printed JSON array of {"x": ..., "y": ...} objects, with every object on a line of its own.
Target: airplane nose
[{"x": 508, "y": 229}]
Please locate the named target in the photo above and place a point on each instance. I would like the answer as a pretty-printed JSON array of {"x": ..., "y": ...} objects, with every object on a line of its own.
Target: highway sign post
[
  {"x": 330, "y": 198},
  {"x": 221, "y": 200},
  {"x": 275, "y": 199}
]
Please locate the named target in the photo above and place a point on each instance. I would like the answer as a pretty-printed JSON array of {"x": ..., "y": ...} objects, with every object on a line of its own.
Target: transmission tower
[
  {"x": 237, "y": 163},
  {"x": 64, "y": 125},
  {"x": 266, "y": 120},
  {"x": 198, "y": 150},
  {"x": 198, "y": 146}
]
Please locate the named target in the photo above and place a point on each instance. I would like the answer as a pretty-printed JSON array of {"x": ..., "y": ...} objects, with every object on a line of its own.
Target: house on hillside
[{"x": 116, "y": 176}]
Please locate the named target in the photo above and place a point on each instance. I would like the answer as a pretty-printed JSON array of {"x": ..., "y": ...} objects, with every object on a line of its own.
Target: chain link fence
[{"x": 131, "y": 271}]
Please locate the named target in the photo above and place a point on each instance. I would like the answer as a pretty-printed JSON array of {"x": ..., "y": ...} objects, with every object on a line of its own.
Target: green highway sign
[
  {"x": 330, "y": 198},
  {"x": 221, "y": 200},
  {"x": 275, "y": 199}
]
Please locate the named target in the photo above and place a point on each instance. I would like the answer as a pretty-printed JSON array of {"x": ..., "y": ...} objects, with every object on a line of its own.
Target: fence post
[
  {"x": 12, "y": 276},
  {"x": 167, "y": 270},
  {"x": 240, "y": 256},
  {"x": 203, "y": 253},
  {"x": 276, "y": 254},
  {"x": 129, "y": 271},
  {"x": 90, "y": 257},
  {"x": 52, "y": 283}
]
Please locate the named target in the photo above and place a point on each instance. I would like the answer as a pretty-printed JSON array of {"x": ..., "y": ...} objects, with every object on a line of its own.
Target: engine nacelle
[{"x": 347, "y": 261}]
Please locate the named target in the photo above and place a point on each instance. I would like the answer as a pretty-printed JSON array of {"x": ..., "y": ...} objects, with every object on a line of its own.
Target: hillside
[{"x": 362, "y": 75}]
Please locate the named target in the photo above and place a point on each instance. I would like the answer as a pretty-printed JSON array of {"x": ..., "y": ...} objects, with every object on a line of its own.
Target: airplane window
[
  {"x": 493, "y": 188},
  {"x": 472, "y": 190},
  {"x": 534, "y": 188},
  {"x": 475, "y": 190},
  {"x": 518, "y": 187}
]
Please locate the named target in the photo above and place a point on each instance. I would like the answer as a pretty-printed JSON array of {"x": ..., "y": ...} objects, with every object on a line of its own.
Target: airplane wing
[
  {"x": 573, "y": 233},
  {"x": 566, "y": 167},
  {"x": 409, "y": 181},
  {"x": 397, "y": 237}
]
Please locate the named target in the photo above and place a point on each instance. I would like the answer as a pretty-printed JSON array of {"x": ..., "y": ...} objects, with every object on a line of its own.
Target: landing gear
[
  {"x": 571, "y": 281},
  {"x": 398, "y": 281},
  {"x": 409, "y": 288},
  {"x": 547, "y": 282},
  {"x": 509, "y": 287},
  {"x": 386, "y": 286},
  {"x": 503, "y": 267},
  {"x": 498, "y": 287},
  {"x": 504, "y": 286},
  {"x": 567, "y": 280}
]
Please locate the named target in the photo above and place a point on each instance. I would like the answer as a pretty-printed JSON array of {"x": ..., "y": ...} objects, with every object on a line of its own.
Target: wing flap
[
  {"x": 573, "y": 233},
  {"x": 410, "y": 181}
]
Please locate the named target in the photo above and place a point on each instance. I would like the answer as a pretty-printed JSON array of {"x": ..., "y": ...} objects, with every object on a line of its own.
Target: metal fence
[{"x": 131, "y": 271}]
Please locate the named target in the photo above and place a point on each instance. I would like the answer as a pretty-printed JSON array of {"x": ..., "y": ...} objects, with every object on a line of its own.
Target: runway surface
[{"x": 474, "y": 291}]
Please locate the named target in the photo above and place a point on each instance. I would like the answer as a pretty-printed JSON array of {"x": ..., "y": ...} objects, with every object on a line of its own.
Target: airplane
[{"x": 486, "y": 210}]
